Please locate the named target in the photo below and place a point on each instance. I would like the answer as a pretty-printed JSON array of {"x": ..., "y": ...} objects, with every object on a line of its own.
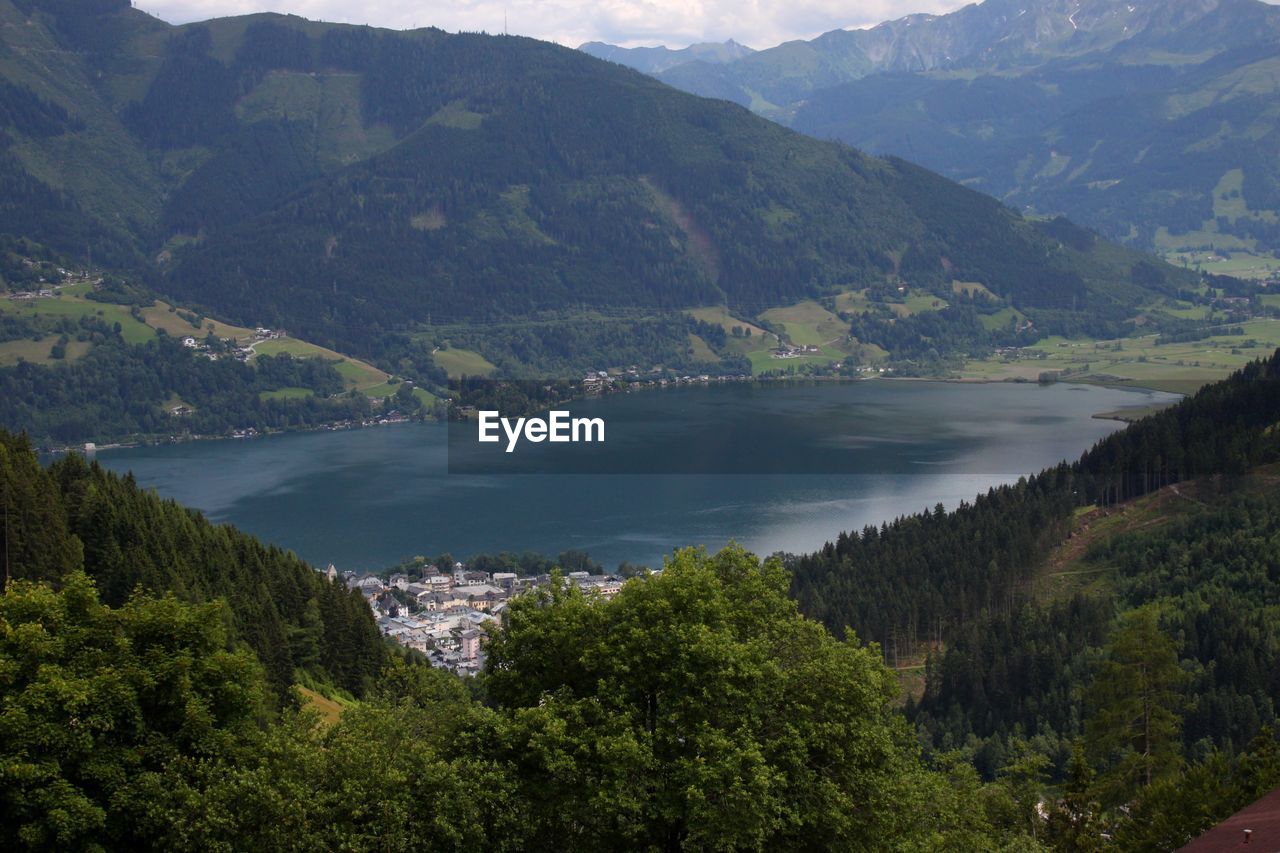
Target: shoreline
[
  {"x": 1116, "y": 414},
  {"x": 334, "y": 426}
]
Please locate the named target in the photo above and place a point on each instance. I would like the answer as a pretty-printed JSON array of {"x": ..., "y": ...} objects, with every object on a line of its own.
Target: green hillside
[{"x": 368, "y": 188}]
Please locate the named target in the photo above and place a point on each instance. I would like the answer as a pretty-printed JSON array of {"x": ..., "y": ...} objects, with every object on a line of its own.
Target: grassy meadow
[{"x": 71, "y": 301}]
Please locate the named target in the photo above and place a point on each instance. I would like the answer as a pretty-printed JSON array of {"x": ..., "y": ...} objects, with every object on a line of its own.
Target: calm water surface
[{"x": 369, "y": 498}]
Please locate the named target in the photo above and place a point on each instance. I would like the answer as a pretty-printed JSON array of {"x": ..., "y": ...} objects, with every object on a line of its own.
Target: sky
[{"x": 631, "y": 23}]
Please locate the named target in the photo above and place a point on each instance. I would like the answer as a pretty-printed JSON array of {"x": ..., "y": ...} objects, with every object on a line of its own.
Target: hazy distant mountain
[
  {"x": 995, "y": 34},
  {"x": 653, "y": 60},
  {"x": 1155, "y": 122}
]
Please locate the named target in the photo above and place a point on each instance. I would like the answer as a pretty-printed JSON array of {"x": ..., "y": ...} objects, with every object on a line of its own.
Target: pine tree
[{"x": 1135, "y": 702}]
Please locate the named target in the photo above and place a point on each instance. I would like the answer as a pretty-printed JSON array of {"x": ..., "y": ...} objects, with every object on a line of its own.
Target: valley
[{"x": 940, "y": 366}]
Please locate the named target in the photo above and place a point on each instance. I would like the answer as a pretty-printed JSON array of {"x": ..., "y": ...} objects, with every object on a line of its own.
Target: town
[{"x": 445, "y": 615}]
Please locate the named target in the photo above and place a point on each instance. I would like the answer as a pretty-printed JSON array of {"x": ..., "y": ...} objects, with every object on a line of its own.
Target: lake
[{"x": 370, "y": 498}]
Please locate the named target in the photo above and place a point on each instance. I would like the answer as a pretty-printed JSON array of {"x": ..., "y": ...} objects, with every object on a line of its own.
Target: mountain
[
  {"x": 354, "y": 184},
  {"x": 652, "y": 60},
  {"x": 1029, "y": 606},
  {"x": 1151, "y": 122},
  {"x": 995, "y": 34}
]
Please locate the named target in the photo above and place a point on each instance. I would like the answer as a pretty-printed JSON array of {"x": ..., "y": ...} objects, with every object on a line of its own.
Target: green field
[
  {"x": 808, "y": 323},
  {"x": 856, "y": 301},
  {"x": 917, "y": 303},
  {"x": 76, "y": 306},
  {"x": 699, "y": 350},
  {"x": 720, "y": 316},
  {"x": 384, "y": 389},
  {"x": 290, "y": 393},
  {"x": 853, "y": 302},
  {"x": 37, "y": 352},
  {"x": 762, "y": 361},
  {"x": 972, "y": 288},
  {"x": 756, "y": 347},
  {"x": 292, "y": 346},
  {"x": 356, "y": 374},
  {"x": 1240, "y": 260},
  {"x": 160, "y": 316},
  {"x": 461, "y": 362},
  {"x": 1001, "y": 318},
  {"x": 1185, "y": 310},
  {"x": 1181, "y": 367}
]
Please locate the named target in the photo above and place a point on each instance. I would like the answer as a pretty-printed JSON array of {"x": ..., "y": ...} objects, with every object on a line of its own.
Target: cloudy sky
[{"x": 757, "y": 23}]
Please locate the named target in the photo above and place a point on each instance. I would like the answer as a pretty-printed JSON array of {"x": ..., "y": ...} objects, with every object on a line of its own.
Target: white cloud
[{"x": 758, "y": 23}]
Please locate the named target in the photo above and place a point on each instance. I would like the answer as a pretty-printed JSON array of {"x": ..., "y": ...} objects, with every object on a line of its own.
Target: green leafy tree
[
  {"x": 698, "y": 710},
  {"x": 376, "y": 780},
  {"x": 96, "y": 704}
]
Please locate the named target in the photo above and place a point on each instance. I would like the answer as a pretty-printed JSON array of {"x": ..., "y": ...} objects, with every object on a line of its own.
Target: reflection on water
[{"x": 370, "y": 498}]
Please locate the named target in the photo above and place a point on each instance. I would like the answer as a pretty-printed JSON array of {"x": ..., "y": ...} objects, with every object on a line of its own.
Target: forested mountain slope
[
  {"x": 1155, "y": 123},
  {"x": 346, "y": 181},
  {"x": 77, "y": 516},
  {"x": 920, "y": 577},
  {"x": 1108, "y": 625}
]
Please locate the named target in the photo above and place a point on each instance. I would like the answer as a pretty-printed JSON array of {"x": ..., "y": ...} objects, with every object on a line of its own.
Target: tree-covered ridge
[
  {"x": 1164, "y": 672},
  {"x": 1139, "y": 697},
  {"x": 77, "y": 515},
  {"x": 1203, "y": 567},
  {"x": 560, "y": 185},
  {"x": 923, "y": 576},
  {"x": 353, "y": 181}
]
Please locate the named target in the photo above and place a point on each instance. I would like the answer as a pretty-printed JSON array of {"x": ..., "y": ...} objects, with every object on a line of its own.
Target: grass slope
[{"x": 71, "y": 302}]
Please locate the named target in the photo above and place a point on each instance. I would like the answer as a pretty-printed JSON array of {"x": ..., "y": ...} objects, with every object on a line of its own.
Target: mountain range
[
  {"x": 653, "y": 60},
  {"x": 349, "y": 183},
  {"x": 1155, "y": 123}
]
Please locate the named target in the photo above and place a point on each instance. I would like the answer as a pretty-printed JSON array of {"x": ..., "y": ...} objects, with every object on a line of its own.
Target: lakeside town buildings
[{"x": 445, "y": 616}]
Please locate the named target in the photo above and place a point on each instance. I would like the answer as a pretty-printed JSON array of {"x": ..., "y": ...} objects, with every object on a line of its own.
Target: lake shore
[
  {"x": 1121, "y": 414},
  {"x": 849, "y": 453},
  {"x": 237, "y": 435}
]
